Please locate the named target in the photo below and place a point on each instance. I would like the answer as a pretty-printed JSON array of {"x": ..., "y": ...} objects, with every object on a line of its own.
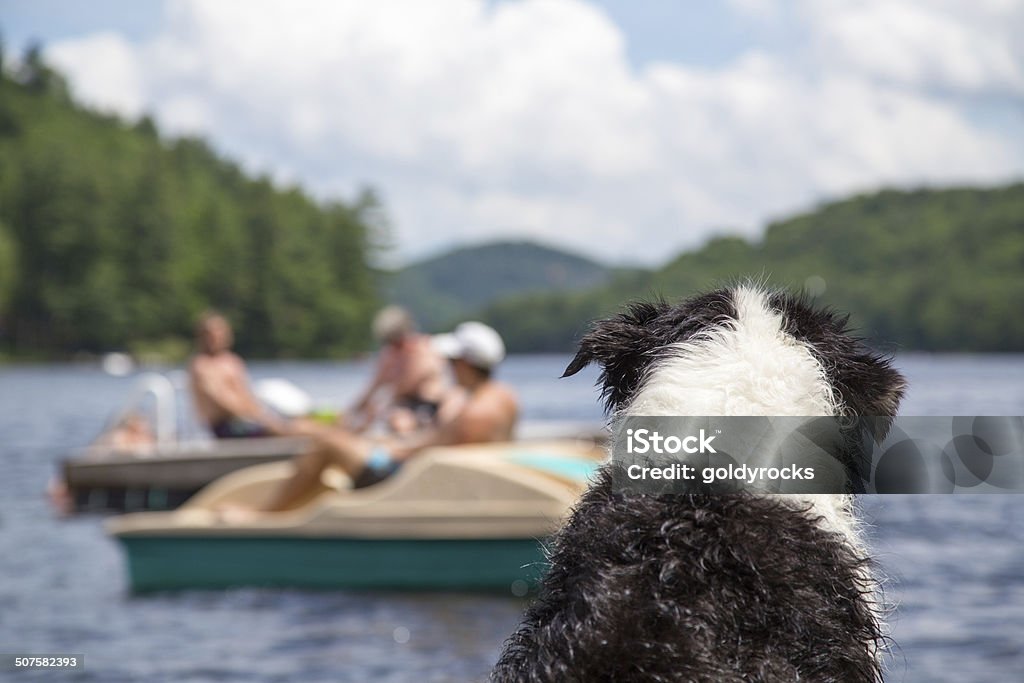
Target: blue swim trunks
[{"x": 379, "y": 466}]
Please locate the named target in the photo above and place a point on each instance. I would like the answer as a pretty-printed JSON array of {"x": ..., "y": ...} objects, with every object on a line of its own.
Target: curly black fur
[
  {"x": 628, "y": 344},
  {"x": 704, "y": 588},
  {"x": 864, "y": 379},
  {"x": 695, "y": 588}
]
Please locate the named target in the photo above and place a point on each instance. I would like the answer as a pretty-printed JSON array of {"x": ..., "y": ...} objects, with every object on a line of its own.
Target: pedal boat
[{"x": 471, "y": 517}]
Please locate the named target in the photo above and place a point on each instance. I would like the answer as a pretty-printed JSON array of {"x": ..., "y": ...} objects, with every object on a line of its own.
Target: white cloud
[
  {"x": 757, "y": 9},
  {"x": 944, "y": 44},
  {"x": 477, "y": 119},
  {"x": 949, "y": 45},
  {"x": 110, "y": 77}
]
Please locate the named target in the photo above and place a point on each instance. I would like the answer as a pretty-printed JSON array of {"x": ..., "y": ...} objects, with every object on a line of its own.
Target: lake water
[{"x": 954, "y": 564}]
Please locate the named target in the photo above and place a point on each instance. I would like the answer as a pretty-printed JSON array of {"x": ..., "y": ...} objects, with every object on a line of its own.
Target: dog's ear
[
  {"x": 866, "y": 383},
  {"x": 871, "y": 386},
  {"x": 624, "y": 346}
]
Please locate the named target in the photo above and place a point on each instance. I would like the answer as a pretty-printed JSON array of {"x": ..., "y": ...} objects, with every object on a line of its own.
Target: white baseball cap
[{"x": 477, "y": 344}]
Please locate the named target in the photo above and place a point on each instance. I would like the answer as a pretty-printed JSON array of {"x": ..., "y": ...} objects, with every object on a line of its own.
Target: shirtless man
[
  {"x": 220, "y": 385},
  {"x": 409, "y": 369},
  {"x": 487, "y": 411}
]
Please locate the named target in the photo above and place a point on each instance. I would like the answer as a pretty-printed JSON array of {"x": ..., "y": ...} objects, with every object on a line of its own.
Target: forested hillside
[
  {"x": 113, "y": 236},
  {"x": 936, "y": 270}
]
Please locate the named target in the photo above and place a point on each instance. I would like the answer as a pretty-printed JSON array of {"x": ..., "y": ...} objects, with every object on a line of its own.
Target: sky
[{"x": 624, "y": 130}]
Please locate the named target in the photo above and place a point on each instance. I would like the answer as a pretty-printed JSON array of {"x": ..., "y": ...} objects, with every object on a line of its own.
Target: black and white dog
[{"x": 729, "y": 588}]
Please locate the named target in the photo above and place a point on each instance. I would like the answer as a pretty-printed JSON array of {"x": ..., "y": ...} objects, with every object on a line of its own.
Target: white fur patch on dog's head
[{"x": 746, "y": 366}]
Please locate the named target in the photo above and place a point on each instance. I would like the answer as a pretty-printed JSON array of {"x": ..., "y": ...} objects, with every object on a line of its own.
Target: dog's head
[{"x": 738, "y": 351}]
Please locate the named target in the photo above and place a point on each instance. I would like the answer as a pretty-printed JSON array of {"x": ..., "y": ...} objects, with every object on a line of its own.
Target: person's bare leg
[
  {"x": 346, "y": 450},
  {"x": 336, "y": 447},
  {"x": 308, "y": 468}
]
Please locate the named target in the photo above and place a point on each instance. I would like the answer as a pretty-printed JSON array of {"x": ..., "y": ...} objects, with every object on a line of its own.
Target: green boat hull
[{"x": 510, "y": 566}]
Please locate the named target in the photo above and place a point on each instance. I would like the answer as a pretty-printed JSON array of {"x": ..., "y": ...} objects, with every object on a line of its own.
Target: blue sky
[
  {"x": 51, "y": 20},
  {"x": 701, "y": 32},
  {"x": 625, "y": 130}
]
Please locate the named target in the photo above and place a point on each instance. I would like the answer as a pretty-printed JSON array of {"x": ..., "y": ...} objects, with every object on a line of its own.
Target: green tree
[
  {"x": 113, "y": 237},
  {"x": 8, "y": 268},
  {"x": 39, "y": 77}
]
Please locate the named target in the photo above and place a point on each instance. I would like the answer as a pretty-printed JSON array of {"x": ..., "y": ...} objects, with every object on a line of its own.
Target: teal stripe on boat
[
  {"x": 576, "y": 469},
  {"x": 180, "y": 562}
]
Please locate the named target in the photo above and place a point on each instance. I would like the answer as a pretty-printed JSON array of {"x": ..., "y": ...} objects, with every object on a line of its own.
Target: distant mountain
[{"x": 455, "y": 285}]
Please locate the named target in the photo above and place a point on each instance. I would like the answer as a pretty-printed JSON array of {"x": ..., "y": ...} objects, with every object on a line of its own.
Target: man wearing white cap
[{"x": 487, "y": 411}]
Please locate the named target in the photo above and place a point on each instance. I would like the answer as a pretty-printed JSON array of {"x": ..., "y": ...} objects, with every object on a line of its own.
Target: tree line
[
  {"x": 924, "y": 269},
  {"x": 113, "y": 236}
]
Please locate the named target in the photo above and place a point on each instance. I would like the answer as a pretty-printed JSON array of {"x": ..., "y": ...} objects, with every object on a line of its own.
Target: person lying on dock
[
  {"x": 487, "y": 411},
  {"x": 131, "y": 433},
  {"x": 409, "y": 382},
  {"x": 220, "y": 385}
]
